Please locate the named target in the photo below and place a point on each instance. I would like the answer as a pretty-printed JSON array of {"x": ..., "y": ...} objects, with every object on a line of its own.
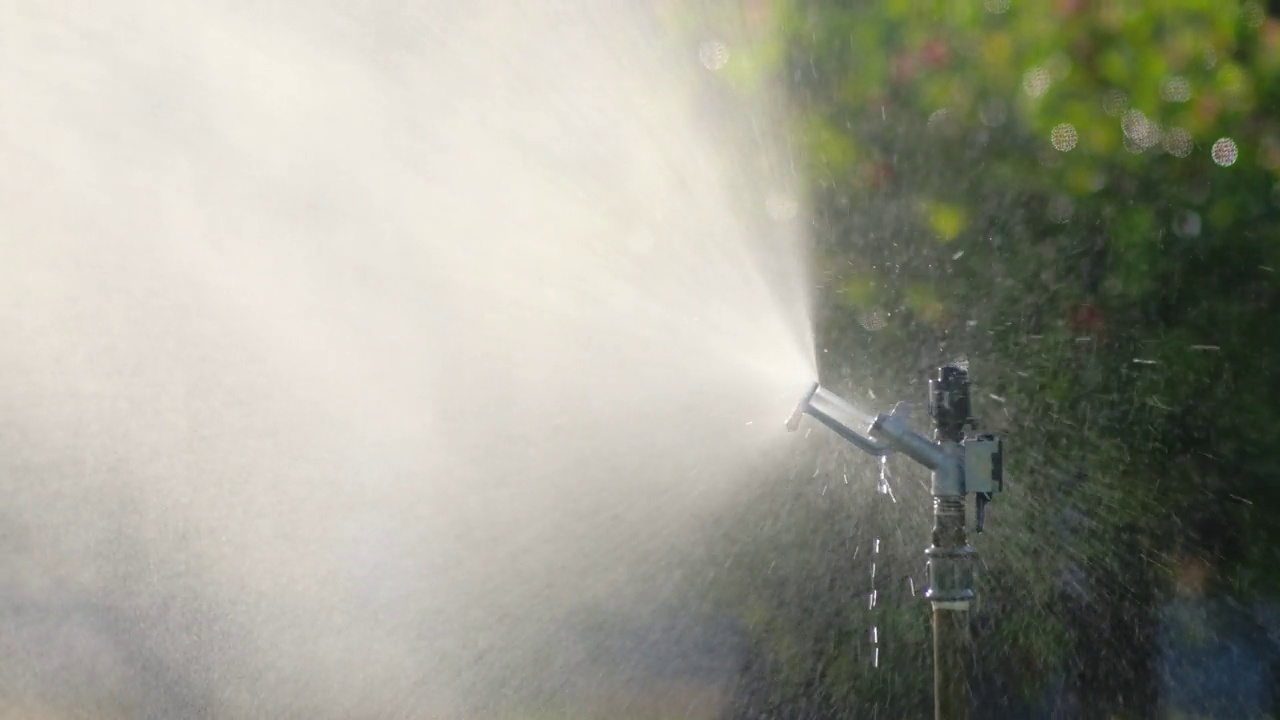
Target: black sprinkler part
[{"x": 949, "y": 401}]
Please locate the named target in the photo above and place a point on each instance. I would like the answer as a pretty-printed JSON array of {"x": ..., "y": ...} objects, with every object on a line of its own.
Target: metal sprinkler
[{"x": 960, "y": 466}]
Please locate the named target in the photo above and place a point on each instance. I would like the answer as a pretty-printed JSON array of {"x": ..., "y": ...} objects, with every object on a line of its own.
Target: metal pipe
[
  {"x": 950, "y": 593},
  {"x": 943, "y": 460},
  {"x": 831, "y": 410}
]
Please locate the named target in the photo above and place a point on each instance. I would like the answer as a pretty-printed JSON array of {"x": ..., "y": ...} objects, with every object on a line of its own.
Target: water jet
[{"x": 348, "y": 350}]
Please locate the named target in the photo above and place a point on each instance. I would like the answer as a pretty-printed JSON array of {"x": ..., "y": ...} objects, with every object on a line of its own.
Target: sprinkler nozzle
[{"x": 802, "y": 407}]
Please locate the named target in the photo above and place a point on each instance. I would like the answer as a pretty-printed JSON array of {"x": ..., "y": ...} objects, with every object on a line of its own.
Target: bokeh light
[
  {"x": 1137, "y": 127},
  {"x": 1225, "y": 152},
  {"x": 1177, "y": 142},
  {"x": 1176, "y": 89},
  {"x": 1036, "y": 82},
  {"x": 1064, "y": 137}
]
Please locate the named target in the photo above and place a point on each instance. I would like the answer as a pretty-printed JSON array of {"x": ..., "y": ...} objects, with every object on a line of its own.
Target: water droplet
[
  {"x": 1132, "y": 123},
  {"x": 1064, "y": 137},
  {"x": 1036, "y": 82},
  {"x": 883, "y": 486},
  {"x": 1176, "y": 89},
  {"x": 1224, "y": 152},
  {"x": 1137, "y": 127},
  {"x": 713, "y": 54},
  {"x": 876, "y": 547},
  {"x": 1177, "y": 142}
]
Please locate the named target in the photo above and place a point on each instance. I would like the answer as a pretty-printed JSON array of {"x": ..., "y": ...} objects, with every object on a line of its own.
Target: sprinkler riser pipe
[
  {"x": 951, "y": 577},
  {"x": 950, "y": 556},
  {"x": 952, "y": 657},
  {"x": 951, "y": 593}
]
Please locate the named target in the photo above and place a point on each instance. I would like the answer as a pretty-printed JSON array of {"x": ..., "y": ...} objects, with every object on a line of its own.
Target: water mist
[{"x": 346, "y": 348}]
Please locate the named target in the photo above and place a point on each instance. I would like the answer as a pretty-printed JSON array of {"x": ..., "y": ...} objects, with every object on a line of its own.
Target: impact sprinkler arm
[
  {"x": 830, "y": 410},
  {"x": 892, "y": 427},
  {"x": 889, "y": 432},
  {"x": 959, "y": 466}
]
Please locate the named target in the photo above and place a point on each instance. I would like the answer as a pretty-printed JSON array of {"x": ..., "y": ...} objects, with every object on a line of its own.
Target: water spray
[{"x": 960, "y": 466}]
